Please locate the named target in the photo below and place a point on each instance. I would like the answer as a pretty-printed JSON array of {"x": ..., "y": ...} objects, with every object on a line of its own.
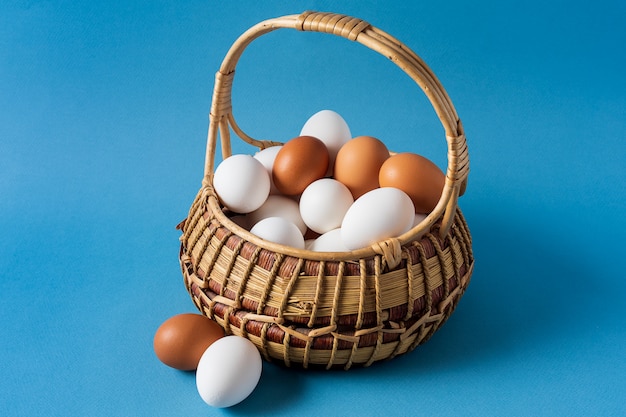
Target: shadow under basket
[{"x": 328, "y": 309}]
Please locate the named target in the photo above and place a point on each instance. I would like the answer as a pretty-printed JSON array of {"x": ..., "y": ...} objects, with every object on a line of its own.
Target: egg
[
  {"x": 358, "y": 162},
  {"x": 241, "y": 183},
  {"x": 279, "y": 206},
  {"x": 377, "y": 215},
  {"x": 182, "y": 339},
  {"x": 417, "y": 176},
  {"x": 328, "y": 242},
  {"x": 279, "y": 230},
  {"x": 228, "y": 371},
  {"x": 324, "y": 203},
  {"x": 266, "y": 157},
  {"x": 330, "y": 128},
  {"x": 298, "y": 163}
]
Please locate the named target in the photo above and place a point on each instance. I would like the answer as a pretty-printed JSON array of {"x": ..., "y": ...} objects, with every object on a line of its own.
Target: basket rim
[{"x": 391, "y": 249}]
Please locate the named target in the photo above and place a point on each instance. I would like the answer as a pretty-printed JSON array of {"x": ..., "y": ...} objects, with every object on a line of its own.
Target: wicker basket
[{"x": 327, "y": 309}]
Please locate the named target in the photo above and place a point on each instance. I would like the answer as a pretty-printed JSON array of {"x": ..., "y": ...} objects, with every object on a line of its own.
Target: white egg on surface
[
  {"x": 329, "y": 127},
  {"x": 266, "y": 157},
  {"x": 228, "y": 371},
  {"x": 377, "y": 215},
  {"x": 279, "y": 230},
  {"x": 241, "y": 183},
  {"x": 278, "y": 206},
  {"x": 324, "y": 203},
  {"x": 328, "y": 242}
]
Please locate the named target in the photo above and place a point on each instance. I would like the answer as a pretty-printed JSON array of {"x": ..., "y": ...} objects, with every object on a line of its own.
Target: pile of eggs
[{"x": 327, "y": 191}]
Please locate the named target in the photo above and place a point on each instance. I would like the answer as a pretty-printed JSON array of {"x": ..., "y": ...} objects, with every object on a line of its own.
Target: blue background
[{"x": 103, "y": 118}]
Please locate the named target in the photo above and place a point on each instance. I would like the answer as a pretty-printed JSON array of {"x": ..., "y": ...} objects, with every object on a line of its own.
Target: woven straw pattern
[{"x": 327, "y": 309}]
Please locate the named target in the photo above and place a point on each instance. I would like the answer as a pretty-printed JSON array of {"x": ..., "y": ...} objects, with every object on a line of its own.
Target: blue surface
[{"x": 103, "y": 117}]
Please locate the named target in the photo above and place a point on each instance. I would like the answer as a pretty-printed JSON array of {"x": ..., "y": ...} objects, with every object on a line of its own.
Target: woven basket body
[{"x": 327, "y": 309}]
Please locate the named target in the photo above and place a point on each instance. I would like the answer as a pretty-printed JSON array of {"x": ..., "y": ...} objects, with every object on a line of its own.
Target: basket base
[{"x": 330, "y": 351}]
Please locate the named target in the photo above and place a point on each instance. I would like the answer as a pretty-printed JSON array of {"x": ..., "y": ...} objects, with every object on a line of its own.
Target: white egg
[
  {"x": 377, "y": 215},
  {"x": 324, "y": 203},
  {"x": 329, "y": 127},
  {"x": 266, "y": 157},
  {"x": 278, "y": 206},
  {"x": 328, "y": 242},
  {"x": 279, "y": 230},
  {"x": 242, "y": 183},
  {"x": 228, "y": 371}
]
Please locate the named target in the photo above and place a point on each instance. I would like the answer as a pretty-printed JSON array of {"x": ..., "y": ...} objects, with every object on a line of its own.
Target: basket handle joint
[
  {"x": 391, "y": 251},
  {"x": 332, "y": 23},
  {"x": 221, "y": 102}
]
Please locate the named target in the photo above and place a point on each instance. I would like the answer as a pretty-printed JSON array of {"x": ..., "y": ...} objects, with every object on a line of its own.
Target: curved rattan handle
[{"x": 221, "y": 116}]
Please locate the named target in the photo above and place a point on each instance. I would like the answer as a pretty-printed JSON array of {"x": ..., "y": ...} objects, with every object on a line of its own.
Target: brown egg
[
  {"x": 358, "y": 162},
  {"x": 299, "y": 162},
  {"x": 182, "y": 339},
  {"x": 417, "y": 176}
]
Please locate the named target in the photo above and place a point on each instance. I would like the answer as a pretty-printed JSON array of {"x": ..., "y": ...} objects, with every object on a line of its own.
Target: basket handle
[{"x": 221, "y": 116}]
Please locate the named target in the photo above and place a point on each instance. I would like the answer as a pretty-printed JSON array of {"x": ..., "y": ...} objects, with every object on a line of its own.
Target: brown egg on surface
[
  {"x": 298, "y": 163},
  {"x": 182, "y": 339},
  {"x": 417, "y": 176},
  {"x": 358, "y": 163}
]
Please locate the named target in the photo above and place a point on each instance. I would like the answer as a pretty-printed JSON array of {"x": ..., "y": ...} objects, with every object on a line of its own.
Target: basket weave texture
[{"x": 328, "y": 309}]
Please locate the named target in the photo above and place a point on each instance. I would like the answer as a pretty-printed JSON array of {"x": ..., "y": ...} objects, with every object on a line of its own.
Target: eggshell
[
  {"x": 301, "y": 161},
  {"x": 324, "y": 203},
  {"x": 242, "y": 183},
  {"x": 417, "y": 176},
  {"x": 358, "y": 162},
  {"x": 228, "y": 371},
  {"x": 279, "y": 206},
  {"x": 377, "y": 215},
  {"x": 266, "y": 157},
  {"x": 328, "y": 242},
  {"x": 330, "y": 128},
  {"x": 279, "y": 230},
  {"x": 182, "y": 339}
]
